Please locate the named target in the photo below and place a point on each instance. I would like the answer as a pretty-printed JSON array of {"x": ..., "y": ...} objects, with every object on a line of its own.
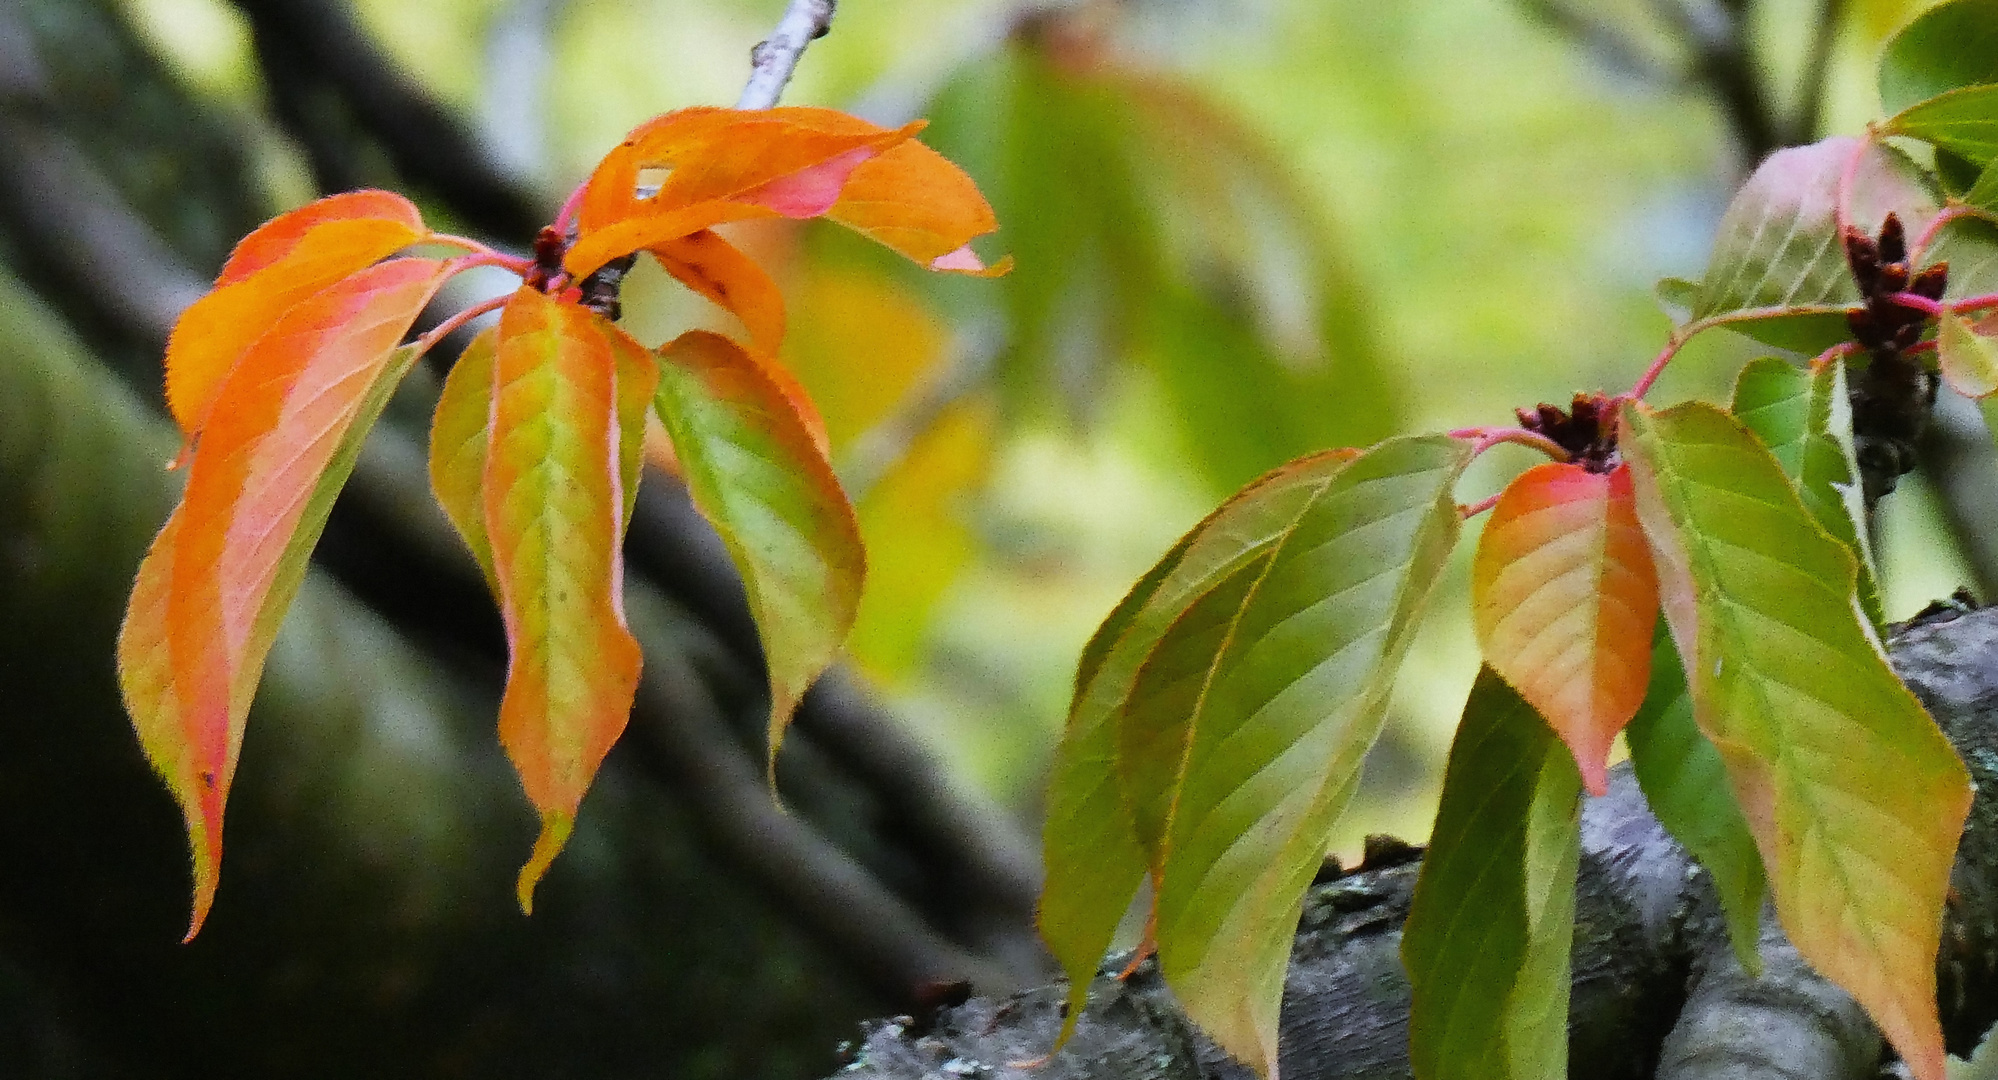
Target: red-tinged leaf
[
  {"x": 213, "y": 590},
  {"x": 1854, "y": 797},
  {"x": 646, "y": 231},
  {"x": 759, "y": 473},
  {"x": 556, "y": 482},
  {"x": 718, "y": 270},
  {"x": 1564, "y": 598},
  {"x": 1969, "y": 361},
  {"x": 286, "y": 260},
  {"x": 730, "y": 164},
  {"x": 914, "y": 200}
]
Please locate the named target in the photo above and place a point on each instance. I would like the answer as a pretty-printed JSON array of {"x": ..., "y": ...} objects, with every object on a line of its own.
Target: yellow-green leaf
[
  {"x": 758, "y": 473},
  {"x": 1854, "y": 797},
  {"x": 1092, "y": 857},
  {"x": 1296, "y": 694}
]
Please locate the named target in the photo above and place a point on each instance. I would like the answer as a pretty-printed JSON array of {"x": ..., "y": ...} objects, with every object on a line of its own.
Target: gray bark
[{"x": 1657, "y": 990}]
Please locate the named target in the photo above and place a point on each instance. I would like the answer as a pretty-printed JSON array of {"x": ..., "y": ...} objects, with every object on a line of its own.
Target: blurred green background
[{"x": 1245, "y": 229}]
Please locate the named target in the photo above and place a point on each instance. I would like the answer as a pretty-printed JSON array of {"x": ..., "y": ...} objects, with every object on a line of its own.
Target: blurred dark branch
[
  {"x": 1816, "y": 74},
  {"x": 1960, "y": 463},
  {"x": 315, "y": 55},
  {"x": 1603, "y": 39}
]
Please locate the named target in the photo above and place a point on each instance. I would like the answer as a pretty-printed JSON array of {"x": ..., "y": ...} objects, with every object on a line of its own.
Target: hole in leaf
[{"x": 650, "y": 180}]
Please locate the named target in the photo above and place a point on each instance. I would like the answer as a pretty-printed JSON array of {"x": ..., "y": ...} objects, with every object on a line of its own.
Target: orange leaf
[
  {"x": 1565, "y": 598},
  {"x": 714, "y": 165},
  {"x": 757, "y": 470},
  {"x": 913, "y": 199},
  {"x": 715, "y": 268},
  {"x": 213, "y": 589},
  {"x": 286, "y": 260},
  {"x": 567, "y": 418}
]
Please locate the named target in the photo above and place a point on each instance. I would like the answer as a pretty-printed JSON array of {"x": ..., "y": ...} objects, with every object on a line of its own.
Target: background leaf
[
  {"x": 215, "y": 586},
  {"x": 757, "y": 472},
  {"x": 1805, "y": 420},
  {"x": 1855, "y": 798},
  {"x": 1686, "y": 785},
  {"x": 554, "y": 511},
  {"x": 1291, "y": 705},
  {"x": 1950, "y": 45},
  {"x": 1562, "y": 594},
  {"x": 1488, "y": 936},
  {"x": 1778, "y": 268}
]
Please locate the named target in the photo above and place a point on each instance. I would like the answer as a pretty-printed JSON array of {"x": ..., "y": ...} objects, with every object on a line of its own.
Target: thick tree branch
[{"x": 1656, "y": 993}]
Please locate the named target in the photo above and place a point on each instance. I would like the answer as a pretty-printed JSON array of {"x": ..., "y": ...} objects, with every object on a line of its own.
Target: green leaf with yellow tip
[
  {"x": 1295, "y": 695},
  {"x": 1854, "y": 797},
  {"x": 1092, "y": 857},
  {"x": 757, "y": 472}
]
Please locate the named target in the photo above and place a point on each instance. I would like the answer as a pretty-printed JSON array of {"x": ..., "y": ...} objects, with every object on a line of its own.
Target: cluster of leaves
[
  {"x": 277, "y": 374},
  {"x": 1222, "y": 711}
]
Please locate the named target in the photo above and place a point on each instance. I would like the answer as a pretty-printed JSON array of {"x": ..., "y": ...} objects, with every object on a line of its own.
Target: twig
[{"x": 776, "y": 57}]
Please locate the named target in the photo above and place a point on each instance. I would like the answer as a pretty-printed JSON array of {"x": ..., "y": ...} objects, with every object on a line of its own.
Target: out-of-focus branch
[
  {"x": 776, "y": 57},
  {"x": 328, "y": 49},
  {"x": 1817, "y": 72},
  {"x": 967, "y": 369},
  {"x": 1603, "y": 39},
  {"x": 1960, "y": 462}
]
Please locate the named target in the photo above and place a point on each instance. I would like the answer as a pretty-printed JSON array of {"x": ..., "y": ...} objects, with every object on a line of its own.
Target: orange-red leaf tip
[
  {"x": 204, "y": 840},
  {"x": 555, "y": 829},
  {"x": 966, "y": 261}
]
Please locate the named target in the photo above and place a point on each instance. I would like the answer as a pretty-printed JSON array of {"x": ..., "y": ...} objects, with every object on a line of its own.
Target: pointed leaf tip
[
  {"x": 1854, "y": 797},
  {"x": 1564, "y": 598},
  {"x": 555, "y": 829},
  {"x": 757, "y": 471},
  {"x": 560, "y": 468}
]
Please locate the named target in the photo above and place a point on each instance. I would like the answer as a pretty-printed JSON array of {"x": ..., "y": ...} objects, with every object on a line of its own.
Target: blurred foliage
[{"x": 1244, "y": 229}]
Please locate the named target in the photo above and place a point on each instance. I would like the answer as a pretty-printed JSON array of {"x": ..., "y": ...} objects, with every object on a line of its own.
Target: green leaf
[
  {"x": 1854, "y": 797},
  {"x": 460, "y": 435},
  {"x": 1678, "y": 296},
  {"x": 1685, "y": 783},
  {"x": 1951, "y": 45},
  {"x": 759, "y": 475},
  {"x": 1964, "y": 121},
  {"x": 1805, "y": 419},
  {"x": 1984, "y": 193},
  {"x": 1969, "y": 361},
  {"x": 1287, "y": 710},
  {"x": 1778, "y": 267},
  {"x": 1091, "y": 854},
  {"x": 1488, "y": 936},
  {"x": 1970, "y": 246}
]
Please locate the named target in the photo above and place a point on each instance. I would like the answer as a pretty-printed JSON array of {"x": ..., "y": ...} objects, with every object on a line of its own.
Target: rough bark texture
[{"x": 1657, "y": 990}]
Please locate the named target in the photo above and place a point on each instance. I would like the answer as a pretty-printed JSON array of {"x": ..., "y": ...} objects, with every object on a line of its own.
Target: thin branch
[{"x": 776, "y": 57}]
